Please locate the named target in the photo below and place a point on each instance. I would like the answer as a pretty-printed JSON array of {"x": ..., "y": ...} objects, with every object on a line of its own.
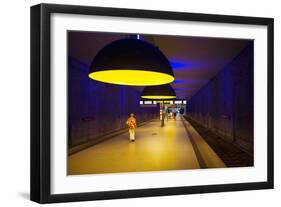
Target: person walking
[{"x": 132, "y": 124}]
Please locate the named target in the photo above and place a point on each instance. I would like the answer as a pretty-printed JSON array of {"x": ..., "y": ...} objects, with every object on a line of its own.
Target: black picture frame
[{"x": 41, "y": 95}]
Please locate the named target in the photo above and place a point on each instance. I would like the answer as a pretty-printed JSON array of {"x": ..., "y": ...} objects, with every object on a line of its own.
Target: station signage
[{"x": 166, "y": 102}]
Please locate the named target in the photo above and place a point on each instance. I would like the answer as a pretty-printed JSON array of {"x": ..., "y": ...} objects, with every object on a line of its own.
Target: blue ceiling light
[
  {"x": 188, "y": 81},
  {"x": 188, "y": 64},
  {"x": 177, "y": 64}
]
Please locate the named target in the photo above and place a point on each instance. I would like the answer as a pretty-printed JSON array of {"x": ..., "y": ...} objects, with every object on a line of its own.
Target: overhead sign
[{"x": 169, "y": 102}]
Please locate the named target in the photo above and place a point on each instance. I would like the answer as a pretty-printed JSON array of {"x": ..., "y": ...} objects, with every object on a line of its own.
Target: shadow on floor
[{"x": 24, "y": 195}]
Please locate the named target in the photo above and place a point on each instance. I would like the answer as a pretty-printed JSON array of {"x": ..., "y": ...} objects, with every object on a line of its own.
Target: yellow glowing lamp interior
[
  {"x": 158, "y": 97},
  {"x": 132, "y": 77}
]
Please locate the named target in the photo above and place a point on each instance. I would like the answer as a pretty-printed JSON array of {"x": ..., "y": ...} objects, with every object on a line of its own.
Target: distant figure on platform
[
  {"x": 132, "y": 124},
  {"x": 175, "y": 115}
]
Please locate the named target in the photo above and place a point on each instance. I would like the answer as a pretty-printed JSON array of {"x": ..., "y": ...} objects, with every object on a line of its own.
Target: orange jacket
[{"x": 131, "y": 122}]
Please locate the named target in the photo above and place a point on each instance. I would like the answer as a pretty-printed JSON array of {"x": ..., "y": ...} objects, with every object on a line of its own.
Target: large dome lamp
[
  {"x": 160, "y": 92},
  {"x": 132, "y": 62}
]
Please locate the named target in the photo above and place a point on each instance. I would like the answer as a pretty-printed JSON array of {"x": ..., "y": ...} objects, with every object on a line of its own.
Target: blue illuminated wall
[
  {"x": 96, "y": 109},
  {"x": 225, "y": 104}
]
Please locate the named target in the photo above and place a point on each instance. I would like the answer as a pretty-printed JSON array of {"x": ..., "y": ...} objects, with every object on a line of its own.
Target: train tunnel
[{"x": 208, "y": 124}]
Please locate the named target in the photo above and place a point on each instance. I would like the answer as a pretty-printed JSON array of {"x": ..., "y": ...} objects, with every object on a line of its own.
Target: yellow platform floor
[{"x": 156, "y": 148}]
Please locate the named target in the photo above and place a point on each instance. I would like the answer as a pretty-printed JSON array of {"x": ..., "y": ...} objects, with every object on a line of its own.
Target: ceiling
[{"x": 195, "y": 60}]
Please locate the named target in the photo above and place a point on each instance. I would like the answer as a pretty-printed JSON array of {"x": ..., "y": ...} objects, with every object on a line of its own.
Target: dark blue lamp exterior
[{"x": 134, "y": 54}]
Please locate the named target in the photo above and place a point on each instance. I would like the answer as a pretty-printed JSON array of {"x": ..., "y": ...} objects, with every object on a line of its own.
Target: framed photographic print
[{"x": 132, "y": 103}]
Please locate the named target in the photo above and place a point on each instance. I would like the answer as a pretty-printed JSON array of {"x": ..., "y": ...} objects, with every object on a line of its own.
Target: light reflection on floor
[{"x": 156, "y": 148}]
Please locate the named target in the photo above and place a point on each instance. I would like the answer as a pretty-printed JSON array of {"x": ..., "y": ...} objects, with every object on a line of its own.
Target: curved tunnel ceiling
[{"x": 195, "y": 60}]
